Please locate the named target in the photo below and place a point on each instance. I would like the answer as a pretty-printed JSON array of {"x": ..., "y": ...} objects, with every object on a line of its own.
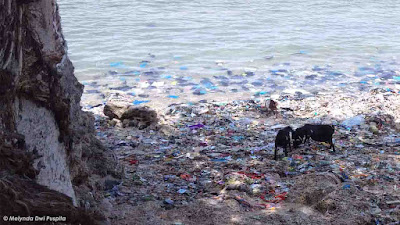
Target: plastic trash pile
[{"x": 224, "y": 151}]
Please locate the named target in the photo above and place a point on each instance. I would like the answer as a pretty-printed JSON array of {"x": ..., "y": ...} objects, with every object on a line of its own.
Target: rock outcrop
[
  {"x": 45, "y": 138},
  {"x": 131, "y": 115}
]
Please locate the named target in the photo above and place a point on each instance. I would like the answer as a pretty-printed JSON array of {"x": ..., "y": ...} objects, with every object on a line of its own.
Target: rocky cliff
[{"x": 46, "y": 140}]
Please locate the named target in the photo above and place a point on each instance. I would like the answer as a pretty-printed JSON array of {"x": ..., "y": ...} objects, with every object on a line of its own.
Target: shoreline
[{"x": 159, "y": 92}]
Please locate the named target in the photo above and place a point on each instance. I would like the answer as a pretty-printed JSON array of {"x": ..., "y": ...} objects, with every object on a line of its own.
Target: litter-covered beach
[{"x": 210, "y": 161}]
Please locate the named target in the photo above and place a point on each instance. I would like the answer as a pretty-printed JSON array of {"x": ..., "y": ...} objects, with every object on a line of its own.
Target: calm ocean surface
[{"x": 201, "y": 37}]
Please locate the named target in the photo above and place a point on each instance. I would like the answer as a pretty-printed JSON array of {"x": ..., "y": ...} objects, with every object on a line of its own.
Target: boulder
[
  {"x": 130, "y": 115},
  {"x": 115, "y": 109}
]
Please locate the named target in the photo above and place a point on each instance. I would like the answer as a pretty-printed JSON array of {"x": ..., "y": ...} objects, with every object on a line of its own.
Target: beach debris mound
[{"x": 131, "y": 115}]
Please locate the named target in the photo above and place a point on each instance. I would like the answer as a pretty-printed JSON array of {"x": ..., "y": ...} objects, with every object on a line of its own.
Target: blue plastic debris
[
  {"x": 116, "y": 64},
  {"x": 301, "y": 52},
  {"x": 257, "y": 83},
  {"x": 183, "y": 68},
  {"x": 173, "y": 96},
  {"x": 334, "y": 73},
  {"x": 223, "y": 159},
  {"x": 143, "y": 64},
  {"x": 238, "y": 138},
  {"x": 134, "y": 72},
  {"x": 207, "y": 83},
  {"x": 260, "y": 93},
  {"x": 166, "y": 76},
  {"x": 317, "y": 68},
  {"x": 199, "y": 92},
  {"x": 249, "y": 74},
  {"x": 344, "y": 176},
  {"x": 346, "y": 186},
  {"x": 138, "y": 102},
  {"x": 396, "y": 78},
  {"x": 182, "y": 191}
]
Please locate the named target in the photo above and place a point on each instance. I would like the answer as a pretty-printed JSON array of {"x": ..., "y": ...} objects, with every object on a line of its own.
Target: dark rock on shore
[{"x": 130, "y": 115}]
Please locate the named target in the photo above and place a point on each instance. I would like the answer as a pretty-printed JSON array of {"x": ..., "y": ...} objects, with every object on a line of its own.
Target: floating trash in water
[
  {"x": 301, "y": 52},
  {"x": 317, "y": 68},
  {"x": 183, "y": 68},
  {"x": 116, "y": 64},
  {"x": 396, "y": 78},
  {"x": 257, "y": 83},
  {"x": 173, "y": 96},
  {"x": 258, "y": 93},
  {"x": 92, "y": 91},
  {"x": 208, "y": 84},
  {"x": 334, "y": 73},
  {"x": 269, "y": 57},
  {"x": 199, "y": 91},
  {"x": 138, "y": 102},
  {"x": 134, "y": 72},
  {"x": 150, "y": 73},
  {"x": 249, "y": 74},
  {"x": 166, "y": 76},
  {"x": 143, "y": 64}
]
